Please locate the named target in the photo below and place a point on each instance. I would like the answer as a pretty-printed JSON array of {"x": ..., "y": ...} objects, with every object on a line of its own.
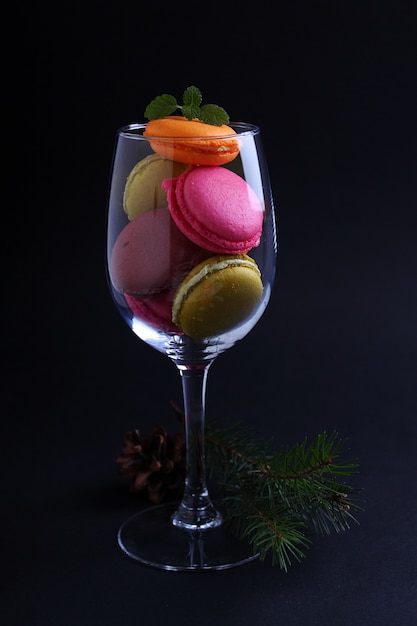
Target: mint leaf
[
  {"x": 190, "y": 112},
  {"x": 161, "y": 106},
  {"x": 192, "y": 97},
  {"x": 213, "y": 114},
  {"x": 164, "y": 105}
]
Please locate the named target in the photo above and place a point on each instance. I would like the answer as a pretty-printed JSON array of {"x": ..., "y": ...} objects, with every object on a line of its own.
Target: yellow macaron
[{"x": 143, "y": 190}]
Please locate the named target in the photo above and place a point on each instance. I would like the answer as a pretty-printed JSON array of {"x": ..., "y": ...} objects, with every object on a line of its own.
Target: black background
[{"x": 333, "y": 87}]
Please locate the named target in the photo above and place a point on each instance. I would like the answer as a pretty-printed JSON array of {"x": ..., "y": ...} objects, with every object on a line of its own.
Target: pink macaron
[
  {"x": 155, "y": 311},
  {"x": 151, "y": 254},
  {"x": 216, "y": 209}
]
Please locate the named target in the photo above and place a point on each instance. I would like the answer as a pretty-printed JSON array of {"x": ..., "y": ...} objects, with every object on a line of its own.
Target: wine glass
[{"x": 151, "y": 262}]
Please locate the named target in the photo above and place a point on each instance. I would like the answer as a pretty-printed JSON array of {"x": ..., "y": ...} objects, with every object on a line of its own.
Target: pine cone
[{"x": 154, "y": 463}]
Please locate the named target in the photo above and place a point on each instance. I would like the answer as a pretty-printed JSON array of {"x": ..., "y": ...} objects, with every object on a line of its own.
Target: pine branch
[{"x": 274, "y": 498}]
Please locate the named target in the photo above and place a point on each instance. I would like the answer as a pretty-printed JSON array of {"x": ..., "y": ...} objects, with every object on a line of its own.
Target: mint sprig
[{"x": 191, "y": 108}]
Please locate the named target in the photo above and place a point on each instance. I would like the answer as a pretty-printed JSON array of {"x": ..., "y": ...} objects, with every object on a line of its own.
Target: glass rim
[{"x": 135, "y": 131}]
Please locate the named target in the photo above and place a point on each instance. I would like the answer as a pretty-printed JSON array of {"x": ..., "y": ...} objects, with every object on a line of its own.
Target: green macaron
[{"x": 218, "y": 295}]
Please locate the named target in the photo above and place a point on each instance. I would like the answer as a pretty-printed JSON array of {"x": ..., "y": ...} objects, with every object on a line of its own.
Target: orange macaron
[{"x": 192, "y": 141}]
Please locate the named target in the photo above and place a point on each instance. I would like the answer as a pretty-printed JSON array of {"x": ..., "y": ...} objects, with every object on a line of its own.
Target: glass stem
[{"x": 196, "y": 511}]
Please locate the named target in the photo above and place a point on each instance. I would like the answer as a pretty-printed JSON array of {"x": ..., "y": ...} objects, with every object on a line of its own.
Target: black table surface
[{"x": 335, "y": 350}]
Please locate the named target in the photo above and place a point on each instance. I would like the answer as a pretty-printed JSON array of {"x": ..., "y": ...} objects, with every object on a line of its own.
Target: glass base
[{"x": 150, "y": 538}]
